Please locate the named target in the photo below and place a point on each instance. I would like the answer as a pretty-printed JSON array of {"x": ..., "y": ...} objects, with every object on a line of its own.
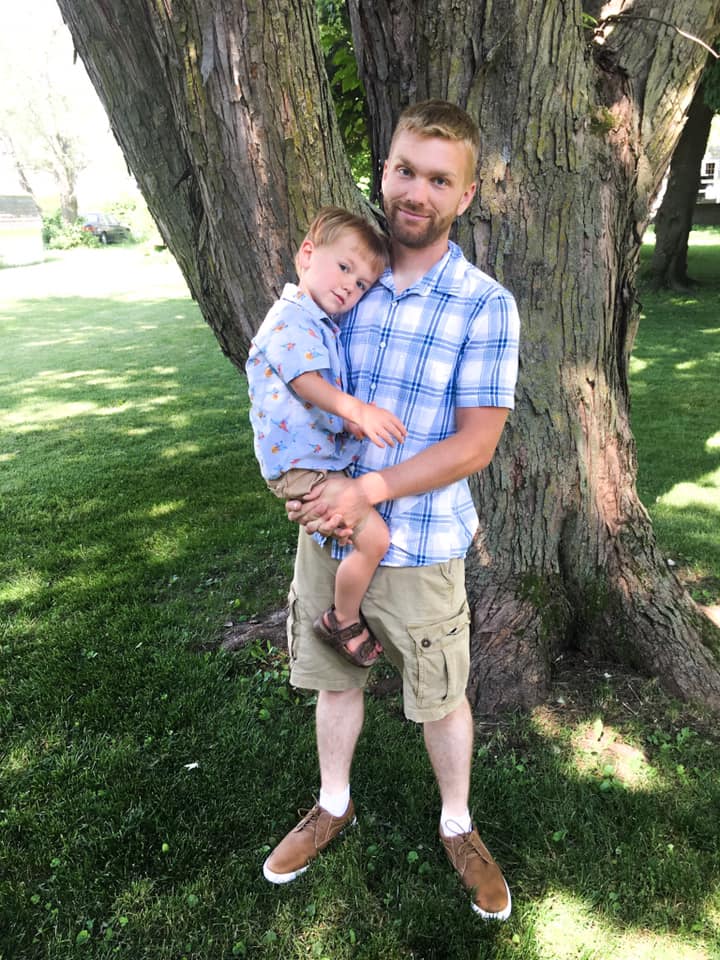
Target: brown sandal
[{"x": 337, "y": 637}]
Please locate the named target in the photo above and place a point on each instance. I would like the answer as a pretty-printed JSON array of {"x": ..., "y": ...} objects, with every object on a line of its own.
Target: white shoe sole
[
  {"x": 502, "y": 915},
  {"x": 281, "y": 877}
]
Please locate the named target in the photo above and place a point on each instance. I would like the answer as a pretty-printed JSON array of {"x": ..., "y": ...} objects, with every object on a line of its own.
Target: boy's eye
[
  {"x": 362, "y": 285},
  {"x": 344, "y": 267}
]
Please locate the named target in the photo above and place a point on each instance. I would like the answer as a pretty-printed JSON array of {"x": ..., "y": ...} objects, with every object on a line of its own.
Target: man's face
[{"x": 425, "y": 186}]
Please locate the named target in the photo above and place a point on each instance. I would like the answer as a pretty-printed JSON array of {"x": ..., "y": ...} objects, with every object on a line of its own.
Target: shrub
[{"x": 58, "y": 234}]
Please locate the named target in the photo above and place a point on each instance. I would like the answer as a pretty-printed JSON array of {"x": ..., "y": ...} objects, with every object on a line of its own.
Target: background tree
[
  {"x": 224, "y": 112},
  {"x": 51, "y": 124},
  {"x": 674, "y": 218}
]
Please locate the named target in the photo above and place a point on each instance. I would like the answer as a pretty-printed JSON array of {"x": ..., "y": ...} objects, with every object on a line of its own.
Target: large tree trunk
[
  {"x": 224, "y": 114},
  {"x": 228, "y": 127},
  {"x": 675, "y": 215}
]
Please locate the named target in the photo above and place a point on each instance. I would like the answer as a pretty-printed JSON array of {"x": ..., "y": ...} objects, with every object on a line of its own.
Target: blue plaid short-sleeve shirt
[{"x": 450, "y": 340}]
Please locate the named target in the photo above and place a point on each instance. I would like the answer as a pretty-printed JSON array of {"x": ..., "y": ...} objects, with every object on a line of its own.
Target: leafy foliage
[
  {"x": 347, "y": 88},
  {"x": 58, "y": 234},
  {"x": 711, "y": 85}
]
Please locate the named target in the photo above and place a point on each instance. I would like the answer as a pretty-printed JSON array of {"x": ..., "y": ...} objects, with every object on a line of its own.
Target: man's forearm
[{"x": 467, "y": 451}]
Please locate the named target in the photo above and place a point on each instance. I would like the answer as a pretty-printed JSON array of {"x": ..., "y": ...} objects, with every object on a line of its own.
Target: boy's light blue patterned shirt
[
  {"x": 295, "y": 337},
  {"x": 450, "y": 340}
]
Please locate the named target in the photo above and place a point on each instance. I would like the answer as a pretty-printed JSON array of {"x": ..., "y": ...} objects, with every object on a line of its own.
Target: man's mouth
[{"x": 413, "y": 214}]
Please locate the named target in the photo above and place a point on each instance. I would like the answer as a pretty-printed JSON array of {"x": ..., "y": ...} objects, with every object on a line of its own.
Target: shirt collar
[
  {"x": 440, "y": 278},
  {"x": 292, "y": 294}
]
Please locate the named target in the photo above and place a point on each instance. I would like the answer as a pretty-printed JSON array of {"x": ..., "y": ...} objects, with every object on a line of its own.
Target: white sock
[
  {"x": 453, "y": 825},
  {"x": 335, "y": 803}
]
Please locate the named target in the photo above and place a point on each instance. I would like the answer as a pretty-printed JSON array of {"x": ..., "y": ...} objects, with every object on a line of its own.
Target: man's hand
[{"x": 333, "y": 508}]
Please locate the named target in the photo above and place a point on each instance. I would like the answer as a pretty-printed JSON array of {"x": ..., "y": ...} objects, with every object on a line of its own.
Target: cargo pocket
[
  {"x": 292, "y": 625},
  {"x": 442, "y": 654}
]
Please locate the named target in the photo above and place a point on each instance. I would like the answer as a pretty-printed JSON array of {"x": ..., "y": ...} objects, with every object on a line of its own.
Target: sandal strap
[{"x": 341, "y": 635}]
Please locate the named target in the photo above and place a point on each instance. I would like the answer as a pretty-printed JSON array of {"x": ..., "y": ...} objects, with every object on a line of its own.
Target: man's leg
[
  {"x": 449, "y": 745},
  {"x": 339, "y": 718},
  {"x": 339, "y": 714}
]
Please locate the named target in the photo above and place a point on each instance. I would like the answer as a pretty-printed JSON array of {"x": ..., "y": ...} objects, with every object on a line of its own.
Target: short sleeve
[
  {"x": 294, "y": 350},
  {"x": 489, "y": 364}
]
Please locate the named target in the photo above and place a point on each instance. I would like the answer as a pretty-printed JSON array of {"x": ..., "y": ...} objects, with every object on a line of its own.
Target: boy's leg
[{"x": 355, "y": 573}]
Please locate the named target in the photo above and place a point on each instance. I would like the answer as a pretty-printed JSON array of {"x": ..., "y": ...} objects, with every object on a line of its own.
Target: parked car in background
[{"x": 106, "y": 228}]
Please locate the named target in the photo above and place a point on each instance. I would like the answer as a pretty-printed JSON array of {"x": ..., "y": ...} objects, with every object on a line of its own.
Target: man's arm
[{"x": 341, "y": 503}]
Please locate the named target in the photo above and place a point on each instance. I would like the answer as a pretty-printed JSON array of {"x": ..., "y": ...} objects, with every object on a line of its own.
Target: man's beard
[{"x": 415, "y": 237}]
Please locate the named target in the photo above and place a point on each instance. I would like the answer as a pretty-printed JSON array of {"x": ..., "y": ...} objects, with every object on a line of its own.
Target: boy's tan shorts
[
  {"x": 419, "y": 614},
  {"x": 295, "y": 484}
]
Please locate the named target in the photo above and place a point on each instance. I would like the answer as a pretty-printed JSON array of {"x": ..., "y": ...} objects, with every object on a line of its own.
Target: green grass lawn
[
  {"x": 675, "y": 405},
  {"x": 144, "y": 774}
]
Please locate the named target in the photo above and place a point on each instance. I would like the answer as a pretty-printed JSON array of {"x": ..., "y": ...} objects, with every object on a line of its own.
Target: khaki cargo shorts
[{"x": 419, "y": 614}]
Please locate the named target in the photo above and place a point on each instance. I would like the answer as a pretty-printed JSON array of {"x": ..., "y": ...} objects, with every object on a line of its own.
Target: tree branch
[{"x": 616, "y": 17}]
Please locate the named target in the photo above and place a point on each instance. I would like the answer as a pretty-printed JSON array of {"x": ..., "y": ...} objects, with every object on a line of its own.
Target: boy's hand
[
  {"x": 380, "y": 425},
  {"x": 354, "y": 429}
]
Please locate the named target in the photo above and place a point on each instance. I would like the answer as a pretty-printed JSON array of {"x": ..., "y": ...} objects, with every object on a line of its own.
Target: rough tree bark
[
  {"x": 673, "y": 220},
  {"x": 224, "y": 114}
]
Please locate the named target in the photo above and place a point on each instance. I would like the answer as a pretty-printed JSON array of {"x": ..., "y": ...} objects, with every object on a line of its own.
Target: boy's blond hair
[
  {"x": 439, "y": 118},
  {"x": 330, "y": 223}
]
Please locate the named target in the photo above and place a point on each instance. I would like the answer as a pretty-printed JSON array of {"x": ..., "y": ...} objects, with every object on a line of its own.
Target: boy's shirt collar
[{"x": 293, "y": 294}]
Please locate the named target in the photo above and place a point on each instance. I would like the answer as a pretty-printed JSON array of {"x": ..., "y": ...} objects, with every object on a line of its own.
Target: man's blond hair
[
  {"x": 440, "y": 118},
  {"x": 330, "y": 223}
]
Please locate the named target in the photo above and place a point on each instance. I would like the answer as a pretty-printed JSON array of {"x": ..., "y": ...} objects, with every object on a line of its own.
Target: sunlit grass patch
[
  {"x": 675, "y": 392},
  {"x": 602, "y": 752},
  {"x": 568, "y": 928}
]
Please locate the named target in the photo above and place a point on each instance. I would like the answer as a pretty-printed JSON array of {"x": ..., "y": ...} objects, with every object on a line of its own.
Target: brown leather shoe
[
  {"x": 296, "y": 851},
  {"x": 480, "y": 874}
]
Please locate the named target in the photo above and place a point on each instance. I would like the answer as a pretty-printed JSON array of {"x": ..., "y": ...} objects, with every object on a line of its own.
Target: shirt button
[
  {"x": 382, "y": 344},
  {"x": 425, "y": 642}
]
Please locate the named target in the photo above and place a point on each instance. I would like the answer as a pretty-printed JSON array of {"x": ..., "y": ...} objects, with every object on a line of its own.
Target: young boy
[{"x": 300, "y": 415}]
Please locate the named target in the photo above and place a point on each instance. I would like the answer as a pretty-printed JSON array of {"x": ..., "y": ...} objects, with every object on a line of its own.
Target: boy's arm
[
  {"x": 376, "y": 423},
  {"x": 314, "y": 388}
]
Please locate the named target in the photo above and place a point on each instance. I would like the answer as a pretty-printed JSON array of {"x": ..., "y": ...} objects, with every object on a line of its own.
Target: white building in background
[
  {"x": 21, "y": 238},
  {"x": 707, "y": 205},
  {"x": 710, "y": 177}
]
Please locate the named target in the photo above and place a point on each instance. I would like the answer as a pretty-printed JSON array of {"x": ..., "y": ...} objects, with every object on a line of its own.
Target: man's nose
[{"x": 417, "y": 191}]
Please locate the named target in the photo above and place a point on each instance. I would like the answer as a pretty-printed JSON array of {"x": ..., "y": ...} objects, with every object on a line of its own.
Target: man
[{"x": 435, "y": 341}]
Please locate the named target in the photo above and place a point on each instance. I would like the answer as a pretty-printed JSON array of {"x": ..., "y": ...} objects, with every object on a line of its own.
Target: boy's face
[
  {"x": 426, "y": 184},
  {"x": 338, "y": 274}
]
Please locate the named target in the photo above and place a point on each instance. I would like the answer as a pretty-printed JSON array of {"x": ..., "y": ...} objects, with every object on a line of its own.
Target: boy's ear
[{"x": 305, "y": 254}]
